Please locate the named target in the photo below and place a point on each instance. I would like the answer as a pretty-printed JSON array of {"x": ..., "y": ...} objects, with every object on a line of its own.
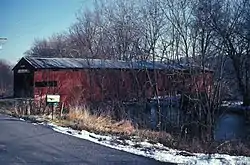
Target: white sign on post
[{"x": 53, "y": 98}]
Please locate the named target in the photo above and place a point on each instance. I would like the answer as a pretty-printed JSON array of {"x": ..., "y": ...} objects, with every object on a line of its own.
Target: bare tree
[
  {"x": 58, "y": 45},
  {"x": 230, "y": 21},
  {"x": 5, "y": 78}
]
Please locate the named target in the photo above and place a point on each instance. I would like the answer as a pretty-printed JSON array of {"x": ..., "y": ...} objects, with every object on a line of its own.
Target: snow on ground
[
  {"x": 231, "y": 103},
  {"x": 156, "y": 151},
  {"x": 21, "y": 119}
]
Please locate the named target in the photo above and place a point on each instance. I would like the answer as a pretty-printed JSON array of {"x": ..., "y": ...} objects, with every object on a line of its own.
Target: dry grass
[
  {"x": 82, "y": 119},
  {"x": 99, "y": 123},
  {"x": 232, "y": 148},
  {"x": 156, "y": 136}
]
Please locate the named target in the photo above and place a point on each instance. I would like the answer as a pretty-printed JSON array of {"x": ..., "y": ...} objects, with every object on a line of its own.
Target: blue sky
[{"x": 24, "y": 20}]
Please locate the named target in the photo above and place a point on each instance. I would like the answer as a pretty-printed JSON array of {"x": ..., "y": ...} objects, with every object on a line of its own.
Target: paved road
[{"x": 24, "y": 143}]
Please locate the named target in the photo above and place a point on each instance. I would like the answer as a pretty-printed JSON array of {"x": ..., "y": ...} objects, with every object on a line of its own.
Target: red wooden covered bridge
[{"x": 90, "y": 80}]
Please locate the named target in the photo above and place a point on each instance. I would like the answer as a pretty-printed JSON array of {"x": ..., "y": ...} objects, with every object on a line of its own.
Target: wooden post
[
  {"x": 52, "y": 106},
  {"x": 62, "y": 109}
]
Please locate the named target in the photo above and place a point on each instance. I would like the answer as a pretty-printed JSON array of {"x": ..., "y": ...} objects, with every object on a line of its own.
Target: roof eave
[{"x": 23, "y": 58}]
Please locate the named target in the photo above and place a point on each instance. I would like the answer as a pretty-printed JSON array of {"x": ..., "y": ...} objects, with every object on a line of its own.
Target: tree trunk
[{"x": 246, "y": 99}]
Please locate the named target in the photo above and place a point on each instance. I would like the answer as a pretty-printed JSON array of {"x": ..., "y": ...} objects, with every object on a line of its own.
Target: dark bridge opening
[{"x": 23, "y": 83}]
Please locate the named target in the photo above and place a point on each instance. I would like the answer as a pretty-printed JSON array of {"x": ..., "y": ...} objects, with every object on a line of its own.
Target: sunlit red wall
[{"x": 89, "y": 85}]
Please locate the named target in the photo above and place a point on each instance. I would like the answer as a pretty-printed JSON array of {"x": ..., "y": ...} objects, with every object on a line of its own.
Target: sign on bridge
[{"x": 52, "y": 99}]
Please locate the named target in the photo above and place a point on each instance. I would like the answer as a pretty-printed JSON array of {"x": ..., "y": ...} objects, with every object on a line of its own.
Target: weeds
[{"x": 99, "y": 123}]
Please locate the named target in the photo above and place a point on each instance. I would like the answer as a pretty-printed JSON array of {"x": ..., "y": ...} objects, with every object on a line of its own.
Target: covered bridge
[{"x": 93, "y": 80}]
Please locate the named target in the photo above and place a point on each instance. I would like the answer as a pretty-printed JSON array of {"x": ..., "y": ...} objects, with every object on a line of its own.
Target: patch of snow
[
  {"x": 231, "y": 103},
  {"x": 21, "y": 119},
  {"x": 156, "y": 151}
]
